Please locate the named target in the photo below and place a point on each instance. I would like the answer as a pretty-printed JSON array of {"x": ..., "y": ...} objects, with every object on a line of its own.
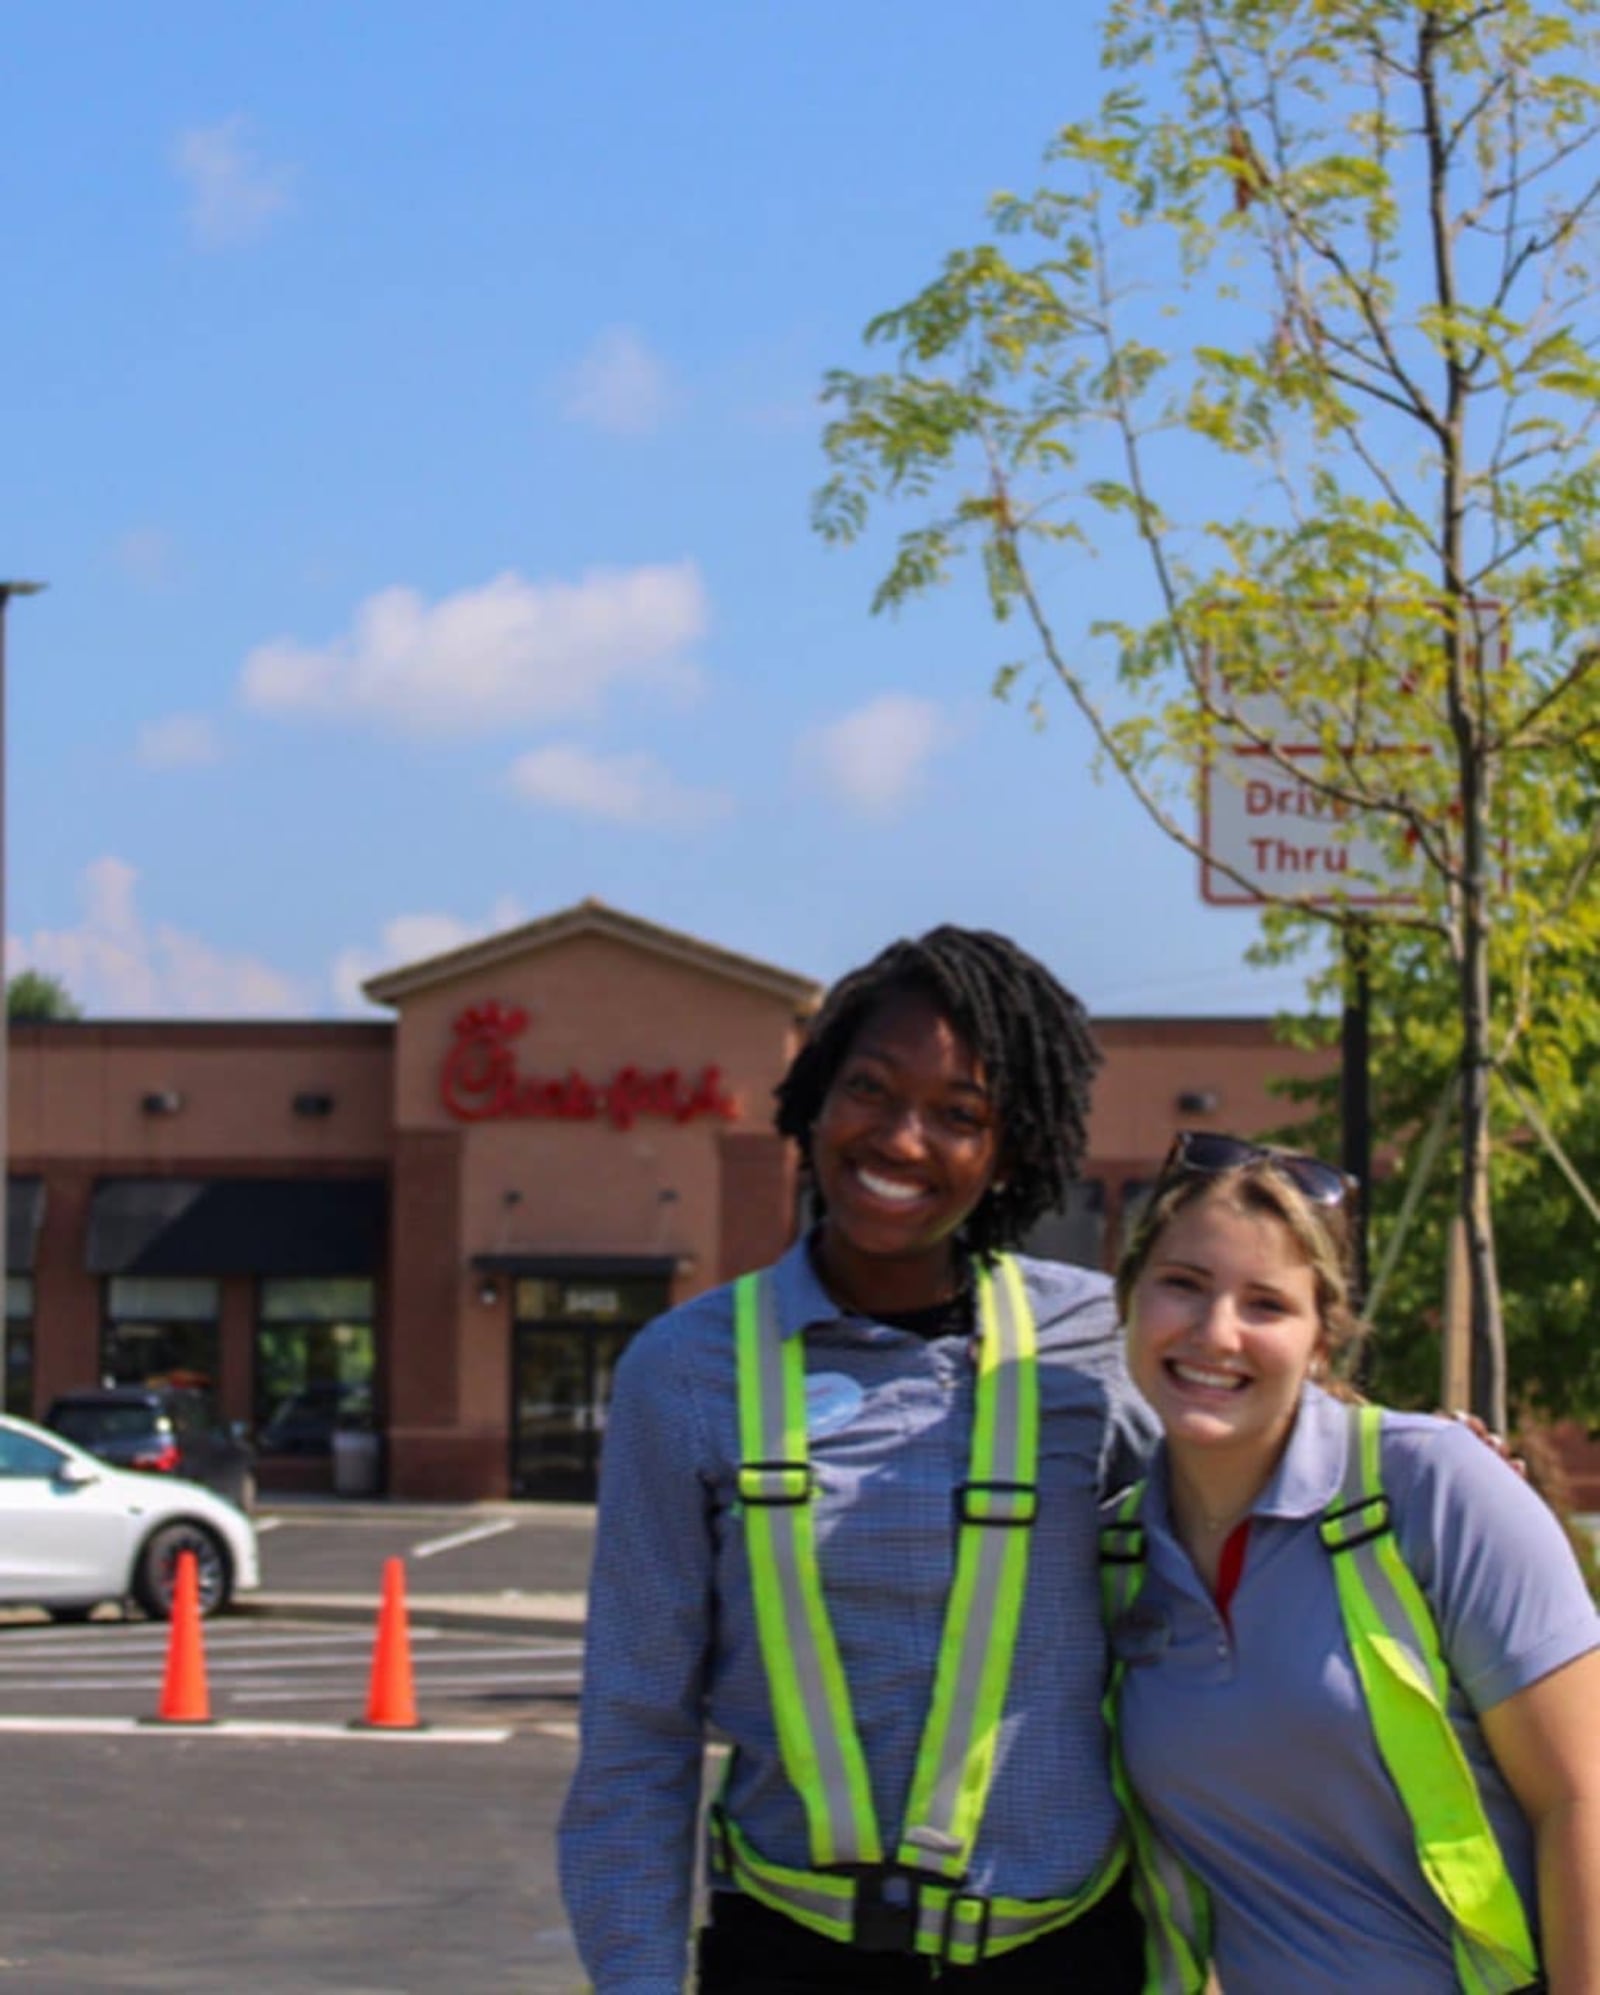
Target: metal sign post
[{"x": 1355, "y": 1091}]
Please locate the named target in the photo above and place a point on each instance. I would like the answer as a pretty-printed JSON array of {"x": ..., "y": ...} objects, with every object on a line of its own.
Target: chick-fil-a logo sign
[{"x": 481, "y": 1082}]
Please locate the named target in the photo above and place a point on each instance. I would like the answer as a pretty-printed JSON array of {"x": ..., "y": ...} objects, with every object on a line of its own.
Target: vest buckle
[
  {"x": 1122, "y": 1544},
  {"x": 1002, "y": 1503},
  {"x": 1347, "y": 1525},
  {"x": 887, "y": 1904},
  {"x": 773, "y": 1484},
  {"x": 973, "y": 1914}
]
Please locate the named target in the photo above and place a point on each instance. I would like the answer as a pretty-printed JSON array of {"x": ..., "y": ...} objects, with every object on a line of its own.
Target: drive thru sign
[
  {"x": 1284, "y": 837},
  {"x": 1278, "y": 831}
]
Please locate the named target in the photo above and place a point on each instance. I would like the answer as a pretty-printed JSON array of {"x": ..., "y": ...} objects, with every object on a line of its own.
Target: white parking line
[
  {"x": 239, "y": 1695},
  {"x": 233, "y": 1663},
  {"x": 259, "y": 1728},
  {"x": 457, "y": 1538},
  {"x": 265, "y": 1524},
  {"x": 101, "y": 1649}
]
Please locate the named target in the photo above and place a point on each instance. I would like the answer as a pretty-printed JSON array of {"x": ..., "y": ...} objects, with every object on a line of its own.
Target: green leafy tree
[
  {"x": 1549, "y": 1239},
  {"x": 31, "y": 994},
  {"x": 1301, "y": 321}
]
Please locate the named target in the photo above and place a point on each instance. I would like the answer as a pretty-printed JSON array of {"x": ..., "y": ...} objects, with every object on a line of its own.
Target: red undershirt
[{"x": 1230, "y": 1568}]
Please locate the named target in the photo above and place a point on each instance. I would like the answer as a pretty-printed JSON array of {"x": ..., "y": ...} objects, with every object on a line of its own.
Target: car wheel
[{"x": 155, "y": 1577}]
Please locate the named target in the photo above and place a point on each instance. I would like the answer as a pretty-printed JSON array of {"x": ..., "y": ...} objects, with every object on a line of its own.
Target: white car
[{"x": 74, "y": 1531}]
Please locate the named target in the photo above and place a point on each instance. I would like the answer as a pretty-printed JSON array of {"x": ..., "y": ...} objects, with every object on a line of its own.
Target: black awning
[
  {"x": 24, "y": 1217},
  {"x": 580, "y": 1267},
  {"x": 238, "y": 1226}
]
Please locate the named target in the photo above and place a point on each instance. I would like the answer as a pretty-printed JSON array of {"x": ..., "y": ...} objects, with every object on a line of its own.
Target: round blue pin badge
[{"x": 832, "y": 1402}]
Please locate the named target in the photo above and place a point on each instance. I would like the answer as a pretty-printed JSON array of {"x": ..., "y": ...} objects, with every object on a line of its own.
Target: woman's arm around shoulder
[
  {"x": 1523, "y": 1638},
  {"x": 628, "y": 1826}
]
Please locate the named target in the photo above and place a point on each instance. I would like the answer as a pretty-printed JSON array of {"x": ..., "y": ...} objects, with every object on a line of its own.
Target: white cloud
[
  {"x": 147, "y": 555},
  {"x": 509, "y": 652},
  {"x": 116, "y": 965},
  {"x": 874, "y": 758},
  {"x": 619, "y": 386},
  {"x": 233, "y": 193},
  {"x": 412, "y": 938},
  {"x": 626, "y": 789},
  {"x": 181, "y": 741}
]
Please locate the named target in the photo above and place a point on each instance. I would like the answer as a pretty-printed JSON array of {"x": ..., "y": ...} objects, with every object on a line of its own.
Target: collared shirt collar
[
  {"x": 1310, "y": 1469},
  {"x": 802, "y": 1300}
]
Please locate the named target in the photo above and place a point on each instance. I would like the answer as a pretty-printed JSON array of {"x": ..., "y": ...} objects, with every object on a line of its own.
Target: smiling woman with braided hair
[{"x": 848, "y": 1524}]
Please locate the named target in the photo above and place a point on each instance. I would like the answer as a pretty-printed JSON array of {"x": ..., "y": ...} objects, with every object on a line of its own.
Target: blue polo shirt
[
  {"x": 672, "y": 1644},
  {"x": 1248, "y": 1740}
]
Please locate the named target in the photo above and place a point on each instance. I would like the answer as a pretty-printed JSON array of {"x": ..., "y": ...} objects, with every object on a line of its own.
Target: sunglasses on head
[{"x": 1208, "y": 1153}]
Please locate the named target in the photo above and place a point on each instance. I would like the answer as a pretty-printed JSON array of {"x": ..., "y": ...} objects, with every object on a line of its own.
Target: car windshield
[{"x": 89, "y": 1425}]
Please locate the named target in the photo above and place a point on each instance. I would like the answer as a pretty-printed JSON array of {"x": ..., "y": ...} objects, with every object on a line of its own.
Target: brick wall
[{"x": 755, "y": 1200}]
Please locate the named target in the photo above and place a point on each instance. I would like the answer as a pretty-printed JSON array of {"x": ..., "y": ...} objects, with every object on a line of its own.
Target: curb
[
  {"x": 472, "y": 1617},
  {"x": 293, "y": 1508}
]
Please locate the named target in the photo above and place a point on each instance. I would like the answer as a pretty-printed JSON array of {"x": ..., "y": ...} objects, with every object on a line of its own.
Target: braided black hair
[{"x": 1030, "y": 1035}]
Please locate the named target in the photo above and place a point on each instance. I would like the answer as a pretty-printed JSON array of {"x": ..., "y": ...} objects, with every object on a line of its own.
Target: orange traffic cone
[
  {"x": 184, "y": 1697},
  {"x": 391, "y": 1701}
]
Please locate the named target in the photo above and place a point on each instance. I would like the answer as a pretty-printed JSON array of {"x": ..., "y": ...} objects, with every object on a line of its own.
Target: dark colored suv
[{"x": 168, "y": 1430}]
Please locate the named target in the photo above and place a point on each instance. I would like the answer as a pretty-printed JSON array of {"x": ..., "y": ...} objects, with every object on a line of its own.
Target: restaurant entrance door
[{"x": 569, "y": 1336}]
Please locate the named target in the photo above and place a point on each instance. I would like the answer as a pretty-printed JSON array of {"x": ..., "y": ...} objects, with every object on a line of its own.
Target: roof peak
[{"x": 591, "y": 916}]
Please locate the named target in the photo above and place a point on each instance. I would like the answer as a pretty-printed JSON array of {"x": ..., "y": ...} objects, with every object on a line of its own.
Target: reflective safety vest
[
  {"x": 912, "y": 1899},
  {"x": 1404, "y": 1678}
]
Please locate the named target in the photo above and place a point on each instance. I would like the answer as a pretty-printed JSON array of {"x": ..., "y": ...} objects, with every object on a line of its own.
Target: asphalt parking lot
[
  {"x": 281, "y": 1849},
  {"x": 495, "y": 1620},
  {"x": 286, "y": 1672},
  {"x": 528, "y": 1561},
  {"x": 203, "y": 1865}
]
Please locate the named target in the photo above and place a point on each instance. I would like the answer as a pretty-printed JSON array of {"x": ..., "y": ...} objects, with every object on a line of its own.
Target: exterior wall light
[
  {"x": 167, "y": 1101},
  {"x": 1199, "y": 1101},
  {"x": 313, "y": 1104}
]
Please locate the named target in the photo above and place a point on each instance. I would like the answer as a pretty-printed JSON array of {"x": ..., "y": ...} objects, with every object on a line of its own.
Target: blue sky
[{"x": 414, "y": 413}]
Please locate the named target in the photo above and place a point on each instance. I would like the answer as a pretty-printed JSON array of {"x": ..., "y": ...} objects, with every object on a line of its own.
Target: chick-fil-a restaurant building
[{"x": 442, "y": 1229}]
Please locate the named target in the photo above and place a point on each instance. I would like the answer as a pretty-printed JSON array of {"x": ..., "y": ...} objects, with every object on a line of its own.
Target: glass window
[
  {"x": 1075, "y": 1231},
  {"x": 91, "y": 1424},
  {"x": 22, "y": 1455},
  {"x": 337, "y": 1300},
  {"x": 315, "y": 1359},
  {"x": 19, "y": 1345},
  {"x": 161, "y": 1330},
  {"x": 169, "y": 1298},
  {"x": 1135, "y": 1197}
]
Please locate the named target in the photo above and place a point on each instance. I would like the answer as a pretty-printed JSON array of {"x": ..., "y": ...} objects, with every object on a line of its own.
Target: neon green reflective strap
[
  {"x": 951, "y": 1924},
  {"x": 959, "y": 1927},
  {"x": 955, "y": 1762},
  {"x": 1394, "y": 1645},
  {"x": 1174, "y": 1904},
  {"x": 817, "y": 1736},
  {"x": 824, "y": 1904}
]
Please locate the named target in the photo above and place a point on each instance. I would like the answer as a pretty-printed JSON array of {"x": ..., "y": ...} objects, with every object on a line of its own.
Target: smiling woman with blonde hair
[{"x": 1356, "y": 1672}]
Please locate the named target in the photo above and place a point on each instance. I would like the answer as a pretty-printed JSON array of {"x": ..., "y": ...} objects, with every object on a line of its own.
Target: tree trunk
[
  {"x": 1488, "y": 1329},
  {"x": 1470, "y": 730}
]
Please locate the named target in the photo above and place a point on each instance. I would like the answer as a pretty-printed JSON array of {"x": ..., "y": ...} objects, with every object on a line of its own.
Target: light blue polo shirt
[{"x": 1251, "y": 1747}]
